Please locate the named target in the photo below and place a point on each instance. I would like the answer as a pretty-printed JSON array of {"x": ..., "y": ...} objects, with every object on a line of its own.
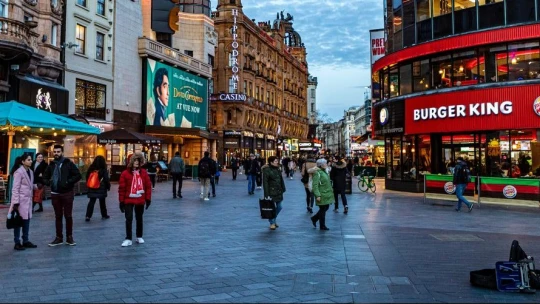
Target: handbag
[
  {"x": 268, "y": 208},
  {"x": 15, "y": 221}
]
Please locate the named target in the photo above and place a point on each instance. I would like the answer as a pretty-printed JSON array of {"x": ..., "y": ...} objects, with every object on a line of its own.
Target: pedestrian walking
[
  {"x": 274, "y": 187},
  {"x": 258, "y": 178},
  {"x": 134, "y": 192},
  {"x": 38, "y": 166},
  {"x": 324, "y": 195},
  {"x": 214, "y": 179},
  {"x": 292, "y": 167},
  {"x": 21, "y": 198},
  {"x": 207, "y": 169},
  {"x": 285, "y": 164},
  {"x": 62, "y": 175},
  {"x": 99, "y": 167},
  {"x": 177, "y": 168},
  {"x": 234, "y": 166},
  {"x": 338, "y": 176},
  {"x": 307, "y": 178},
  {"x": 152, "y": 169},
  {"x": 252, "y": 172},
  {"x": 462, "y": 177}
]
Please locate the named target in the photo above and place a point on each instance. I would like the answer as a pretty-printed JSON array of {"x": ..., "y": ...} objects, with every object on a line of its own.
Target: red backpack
[{"x": 93, "y": 181}]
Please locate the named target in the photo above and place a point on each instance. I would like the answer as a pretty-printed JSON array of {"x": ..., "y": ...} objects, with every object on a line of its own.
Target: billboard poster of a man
[{"x": 175, "y": 98}]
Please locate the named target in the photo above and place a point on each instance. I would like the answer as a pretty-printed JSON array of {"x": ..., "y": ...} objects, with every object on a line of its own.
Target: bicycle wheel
[
  {"x": 363, "y": 185},
  {"x": 373, "y": 187}
]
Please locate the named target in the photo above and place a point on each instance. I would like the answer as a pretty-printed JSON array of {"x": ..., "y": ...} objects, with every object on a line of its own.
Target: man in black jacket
[
  {"x": 254, "y": 169},
  {"x": 62, "y": 175},
  {"x": 207, "y": 169}
]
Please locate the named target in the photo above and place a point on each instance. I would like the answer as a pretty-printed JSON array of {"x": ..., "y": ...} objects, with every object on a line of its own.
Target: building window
[
  {"x": 81, "y": 2},
  {"x": 164, "y": 38},
  {"x": 405, "y": 85},
  {"x": 231, "y": 60},
  {"x": 493, "y": 64},
  {"x": 54, "y": 33},
  {"x": 421, "y": 76},
  {"x": 250, "y": 89},
  {"x": 442, "y": 21},
  {"x": 313, "y": 93},
  {"x": 100, "y": 42},
  {"x": 257, "y": 92},
  {"x": 245, "y": 87},
  {"x": 465, "y": 69},
  {"x": 210, "y": 60},
  {"x": 231, "y": 86},
  {"x": 3, "y": 9},
  {"x": 101, "y": 7},
  {"x": 519, "y": 11},
  {"x": 441, "y": 71},
  {"x": 491, "y": 13},
  {"x": 464, "y": 16},
  {"x": 90, "y": 99},
  {"x": 189, "y": 53},
  {"x": 523, "y": 61},
  {"x": 80, "y": 36}
]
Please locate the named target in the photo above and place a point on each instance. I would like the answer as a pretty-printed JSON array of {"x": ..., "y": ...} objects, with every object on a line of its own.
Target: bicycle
[{"x": 365, "y": 184}]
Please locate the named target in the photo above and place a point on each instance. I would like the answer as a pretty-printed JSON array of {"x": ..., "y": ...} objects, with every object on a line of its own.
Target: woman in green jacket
[
  {"x": 273, "y": 186},
  {"x": 323, "y": 192}
]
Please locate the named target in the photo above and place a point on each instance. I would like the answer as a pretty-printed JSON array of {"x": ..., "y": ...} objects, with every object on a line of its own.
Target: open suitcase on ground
[{"x": 516, "y": 275}]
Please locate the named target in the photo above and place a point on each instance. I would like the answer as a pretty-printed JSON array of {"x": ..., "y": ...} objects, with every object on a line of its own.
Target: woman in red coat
[{"x": 134, "y": 191}]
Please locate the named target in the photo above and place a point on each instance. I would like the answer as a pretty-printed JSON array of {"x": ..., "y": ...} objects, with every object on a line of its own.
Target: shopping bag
[
  {"x": 268, "y": 208},
  {"x": 14, "y": 220}
]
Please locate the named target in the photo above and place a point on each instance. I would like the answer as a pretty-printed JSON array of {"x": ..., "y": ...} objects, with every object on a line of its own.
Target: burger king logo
[
  {"x": 509, "y": 191},
  {"x": 449, "y": 188},
  {"x": 383, "y": 116},
  {"x": 536, "y": 106}
]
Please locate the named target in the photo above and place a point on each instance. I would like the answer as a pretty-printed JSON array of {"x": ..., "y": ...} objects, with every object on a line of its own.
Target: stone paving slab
[{"x": 390, "y": 248}]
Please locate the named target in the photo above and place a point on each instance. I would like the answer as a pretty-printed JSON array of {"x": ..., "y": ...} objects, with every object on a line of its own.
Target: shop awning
[
  {"x": 123, "y": 136},
  {"x": 19, "y": 117}
]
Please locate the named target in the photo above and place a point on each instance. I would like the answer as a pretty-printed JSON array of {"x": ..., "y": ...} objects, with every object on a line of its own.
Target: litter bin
[{"x": 348, "y": 184}]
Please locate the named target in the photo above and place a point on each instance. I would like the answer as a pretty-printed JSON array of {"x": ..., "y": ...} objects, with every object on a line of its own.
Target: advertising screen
[{"x": 175, "y": 98}]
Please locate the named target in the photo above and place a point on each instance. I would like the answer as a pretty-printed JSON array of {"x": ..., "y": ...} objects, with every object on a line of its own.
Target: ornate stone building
[{"x": 260, "y": 84}]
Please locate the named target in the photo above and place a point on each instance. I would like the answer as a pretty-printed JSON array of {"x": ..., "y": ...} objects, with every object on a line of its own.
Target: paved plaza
[{"x": 391, "y": 247}]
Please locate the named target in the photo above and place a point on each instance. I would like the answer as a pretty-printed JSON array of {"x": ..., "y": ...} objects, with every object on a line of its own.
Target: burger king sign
[
  {"x": 509, "y": 191},
  {"x": 536, "y": 106}
]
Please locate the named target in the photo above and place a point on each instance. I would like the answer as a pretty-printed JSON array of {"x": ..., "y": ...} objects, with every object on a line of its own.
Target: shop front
[
  {"x": 231, "y": 145},
  {"x": 270, "y": 146},
  {"x": 495, "y": 129},
  {"x": 260, "y": 145},
  {"x": 249, "y": 143}
]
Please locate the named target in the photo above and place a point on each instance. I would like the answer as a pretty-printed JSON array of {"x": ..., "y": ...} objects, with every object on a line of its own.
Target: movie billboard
[{"x": 175, "y": 98}]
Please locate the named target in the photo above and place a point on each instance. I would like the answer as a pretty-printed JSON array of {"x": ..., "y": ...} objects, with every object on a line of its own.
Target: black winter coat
[
  {"x": 104, "y": 186},
  {"x": 40, "y": 170},
  {"x": 69, "y": 176},
  {"x": 338, "y": 175}
]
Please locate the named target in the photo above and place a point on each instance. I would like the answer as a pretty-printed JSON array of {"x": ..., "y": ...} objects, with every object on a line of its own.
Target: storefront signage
[
  {"x": 383, "y": 116},
  {"x": 509, "y": 191},
  {"x": 235, "y": 53},
  {"x": 271, "y": 137},
  {"x": 232, "y": 133},
  {"x": 305, "y": 144},
  {"x": 473, "y": 109},
  {"x": 43, "y": 100},
  {"x": 501, "y": 108},
  {"x": 259, "y": 144},
  {"x": 316, "y": 145},
  {"x": 377, "y": 44},
  {"x": 231, "y": 142},
  {"x": 449, "y": 188},
  {"x": 175, "y": 98},
  {"x": 259, "y": 135},
  {"x": 536, "y": 106},
  {"x": 248, "y": 133},
  {"x": 229, "y": 97}
]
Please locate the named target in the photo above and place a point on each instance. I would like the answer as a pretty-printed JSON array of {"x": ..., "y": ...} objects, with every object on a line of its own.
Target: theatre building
[
  {"x": 459, "y": 78},
  {"x": 260, "y": 76}
]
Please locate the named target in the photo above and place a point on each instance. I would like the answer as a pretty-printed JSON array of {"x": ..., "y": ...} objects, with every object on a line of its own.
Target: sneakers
[
  {"x": 57, "y": 241},
  {"x": 126, "y": 243},
  {"x": 206, "y": 199},
  {"x": 346, "y": 210},
  {"x": 70, "y": 241},
  {"x": 309, "y": 210},
  {"x": 314, "y": 221},
  {"x": 105, "y": 217},
  {"x": 277, "y": 226},
  {"x": 273, "y": 227},
  {"x": 336, "y": 210},
  {"x": 470, "y": 208},
  {"x": 87, "y": 219},
  {"x": 202, "y": 196},
  {"x": 140, "y": 241},
  {"x": 457, "y": 210}
]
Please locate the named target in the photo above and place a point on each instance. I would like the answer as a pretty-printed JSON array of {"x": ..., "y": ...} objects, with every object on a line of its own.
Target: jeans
[
  {"x": 321, "y": 215},
  {"x": 102, "y": 207},
  {"x": 177, "y": 177},
  {"x": 205, "y": 185},
  {"x": 278, "y": 209},
  {"x": 310, "y": 198},
  {"x": 63, "y": 206},
  {"x": 213, "y": 184},
  {"x": 152, "y": 179},
  {"x": 25, "y": 230},
  {"x": 460, "y": 189},
  {"x": 337, "y": 193},
  {"x": 139, "y": 211},
  {"x": 234, "y": 173},
  {"x": 251, "y": 182}
]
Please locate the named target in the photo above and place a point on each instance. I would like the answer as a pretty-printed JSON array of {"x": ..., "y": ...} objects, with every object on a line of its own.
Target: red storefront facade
[{"x": 474, "y": 95}]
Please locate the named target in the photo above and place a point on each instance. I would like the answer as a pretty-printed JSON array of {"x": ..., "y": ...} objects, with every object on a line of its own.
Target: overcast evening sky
[{"x": 336, "y": 36}]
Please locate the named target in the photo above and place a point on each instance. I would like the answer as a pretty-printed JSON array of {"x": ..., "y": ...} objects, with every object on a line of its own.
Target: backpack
[
  {"x": 463, "y": 174},
  {"x": 204, "y": 169},
  {"x": 93, "y": 181}
]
